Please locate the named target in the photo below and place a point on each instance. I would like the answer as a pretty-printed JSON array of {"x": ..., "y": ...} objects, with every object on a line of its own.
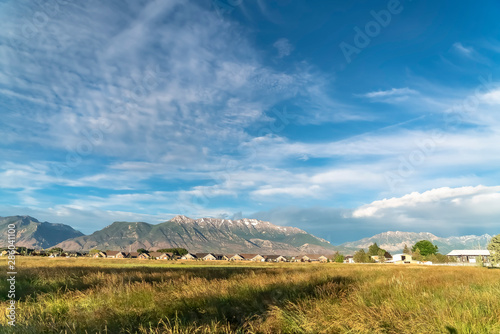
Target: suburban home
[
  {"x": 274, "y": 258},
  {"x": 252, "y": 257},
  {"x": 387, "y": 256},
  {"x": 99, "y": 254},
  {"x": 74, "y": 254},
  {"x": 143, "y": 256},
  {"x": 236, "y": 257},
  {"x": 39, "y": 252},
  {"x": 323, "y": 258},
  {"x": 155, "y": 255},
  {"x": 133, "y": 255},
  {"x": 348, "y": 259},
  {"x": 115, "y": 254},
  {"x": 189, "y": 256},
  {"x": 164, "y": 256},
  {"x": 110, "y": 254},
  {"x": 305, "y": 258},
  {"x": 221, "y": 257},
  {"x": 206, "y": 256},
  {"x": 470, "y": 255},
  {"x": 401, "y": 258},
  {"x": 313, "y": 258},
  {"x": 270, "y": 258}
]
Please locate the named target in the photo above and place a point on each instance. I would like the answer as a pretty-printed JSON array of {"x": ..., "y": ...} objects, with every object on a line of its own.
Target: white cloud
[
  {"x": 391, "y": 92},
  {"x": 393, "y": 95},
  {"x": 491, "y": 97},
  {"x": 354, "y": 176},
  {"x": 299, "y": 191},
  {"x": 440, "y": 196},
  {"x": 470, "y": 53},
  {"x": 467, "y": 51},
  {"x": 442, "y": 211},
  {"x": 284, "y": 47},
  {"x": 146, "y": 96},
  {"x": 159, "y": 77}
]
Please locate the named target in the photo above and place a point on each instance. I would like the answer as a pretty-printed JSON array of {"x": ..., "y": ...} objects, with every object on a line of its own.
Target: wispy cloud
[
  {"x": 392, "y": 95},
  {"x": 391, "y": 92},
  {"x": 283, "y": 47},
  {"x": 466, "y": 51},
  {"x": 310, "y": 191},
  {"x": 471, "y": 53},
  {"x": 197, "y": 89}
]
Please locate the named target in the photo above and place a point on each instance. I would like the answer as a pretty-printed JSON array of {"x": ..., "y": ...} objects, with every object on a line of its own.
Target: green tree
[
  {"x": 339, "y": 258},
  {"x": 175, "y": 251},
  {"x": 361, "y": 257},
  {"x": 381, "y": 255},
  {"x": 432, "y": 257},
  {"x": 406, "y": 250},
  {"x": 416, "y": 255},
  {"x": 56, "y": 250},
  {"x": 494, "y": 248},
  {"x": 374, "y": 249},
  {"x": 437, "y": 258},
  {"x": 426, "y": 247},
  {"x": 94, "y": 251},
  {"x": 142, "y": 250},
  {"x": 22, "y": 250}
]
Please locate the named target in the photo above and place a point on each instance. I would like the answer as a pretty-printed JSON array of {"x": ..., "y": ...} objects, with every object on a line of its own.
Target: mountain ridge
[
  {"x": 32, "y": 233},
  {"x": 202, "y": 235},
  {"x": 394, "y": 241}
]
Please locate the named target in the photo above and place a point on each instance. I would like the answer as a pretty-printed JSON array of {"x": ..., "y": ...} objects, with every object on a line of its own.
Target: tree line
[{"x": 424, "y": 250}]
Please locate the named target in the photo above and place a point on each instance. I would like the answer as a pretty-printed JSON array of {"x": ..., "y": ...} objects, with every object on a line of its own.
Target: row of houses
[
  {"x": 214, "y": 257},
  {"x": 135, "y": 255},
  {"x": 237, "y": 257},
  {"x": 45, "y": 253},
  {"x": 460, "y": 256}
]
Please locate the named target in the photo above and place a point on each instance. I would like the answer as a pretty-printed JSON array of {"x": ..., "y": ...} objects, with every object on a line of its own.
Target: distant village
[{"x": 374, "y": 255}]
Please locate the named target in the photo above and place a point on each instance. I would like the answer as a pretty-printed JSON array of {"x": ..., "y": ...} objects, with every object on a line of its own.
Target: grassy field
[{"x": 133, "y": 296}]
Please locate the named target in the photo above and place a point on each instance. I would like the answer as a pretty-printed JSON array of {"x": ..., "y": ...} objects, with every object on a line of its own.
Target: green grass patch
[{"x": 133, "y": 296}]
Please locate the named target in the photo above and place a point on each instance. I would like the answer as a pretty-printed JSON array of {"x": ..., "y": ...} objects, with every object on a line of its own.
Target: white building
[
  {"x": 470, "y": 255},
  {"x": 401, "y": 258}
]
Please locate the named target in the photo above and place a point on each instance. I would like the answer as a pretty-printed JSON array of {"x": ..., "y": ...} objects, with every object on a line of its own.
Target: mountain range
[
  {"x": 394, "y": 241},
  {"x": 203, "y": 235},
  {"x": 34, "y": 234},
  {"x": 214, "y": 235}
]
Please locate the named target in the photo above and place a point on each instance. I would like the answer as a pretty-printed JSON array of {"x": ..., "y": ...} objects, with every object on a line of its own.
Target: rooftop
[{"x": 469, "y": 252}]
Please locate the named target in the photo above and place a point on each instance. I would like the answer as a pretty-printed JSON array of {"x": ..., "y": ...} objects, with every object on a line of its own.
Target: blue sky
[{"x": 342, "y": 118}]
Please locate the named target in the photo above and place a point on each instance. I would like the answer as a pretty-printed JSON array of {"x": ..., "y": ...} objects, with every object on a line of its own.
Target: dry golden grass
[{"x": 133, "y": 296}]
